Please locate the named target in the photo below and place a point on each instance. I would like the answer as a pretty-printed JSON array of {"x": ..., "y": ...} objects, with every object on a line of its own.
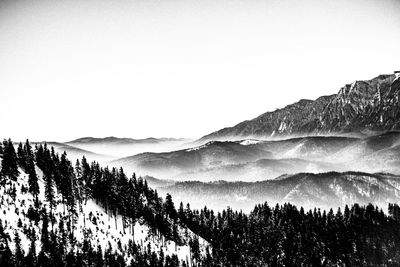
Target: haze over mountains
[
  {"x": 252, "y": 160},
  {"x": 347, "y": 131},
  {"x": 324, "y": 190},
  {"x": 77, "y": 153},
  {"x": 119, "y": 147},
  {"x": 289, "y": 160},
  {"x": 324, "y": 154},
  {"x": 354, "y": 130},
  {"x": 110, "y": 148}
]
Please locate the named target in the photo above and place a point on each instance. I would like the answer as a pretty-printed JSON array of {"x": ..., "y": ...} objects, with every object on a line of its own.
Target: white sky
[{"x": 179, "y": 68}]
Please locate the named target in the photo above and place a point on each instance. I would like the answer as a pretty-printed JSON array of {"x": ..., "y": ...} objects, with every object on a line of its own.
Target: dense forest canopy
[{"x": 279, "y": 235}]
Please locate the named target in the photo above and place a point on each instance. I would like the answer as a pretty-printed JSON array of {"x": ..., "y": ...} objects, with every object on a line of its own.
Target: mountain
[
  {"x": 92, "y": 222},
  {"x": 253, "y": 160},
  {"x": 56, "y": 213},
  {"x": 121, "y": 141},
  {"x": 74, "y": 152},
  {"x": 155, "y": 183},
  {"x": 324, "y": 190},
  {"x": 77, "y": 153},
  {"x": 122, "y": 147},
  {"x": 256, "y": 170},
  {"x": 170, "y": 164},
  {"x": 363, "y": 106}
]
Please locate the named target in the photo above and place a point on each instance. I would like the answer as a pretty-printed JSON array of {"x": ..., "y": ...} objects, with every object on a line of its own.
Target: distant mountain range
[
  {"x": 252, "y": 160},
  {"x": 359, "y": 107},
  {"x": 77, "y": 153},
  {"x": 109, "y": 148},
  {"x": 122, "y": 147},
  {"x": 121, "y": 141},
  {"x": 169, "y": 164},
  {"x": 356, "y": 129},
  {"x": 324, "y": 190}
]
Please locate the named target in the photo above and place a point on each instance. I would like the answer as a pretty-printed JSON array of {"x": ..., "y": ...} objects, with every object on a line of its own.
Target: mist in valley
[
  {"x": 312, "y": 171},
  {"x": 123, "y": 147},
  {"x": 255, "y": 160}
]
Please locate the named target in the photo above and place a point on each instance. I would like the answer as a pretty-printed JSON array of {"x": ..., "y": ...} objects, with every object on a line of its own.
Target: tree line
[
  {"x": 130, "y": 198},
  {"x": 280, "y": 235}
]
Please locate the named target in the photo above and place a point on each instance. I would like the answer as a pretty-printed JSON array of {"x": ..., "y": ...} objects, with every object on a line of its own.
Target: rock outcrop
[{"x": 362, "y": 106}]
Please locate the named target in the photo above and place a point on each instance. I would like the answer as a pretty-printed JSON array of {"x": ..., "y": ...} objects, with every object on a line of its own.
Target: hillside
[
  {"x": 77, "y": 153},
  {"x": 324, "y": 190},
  {"x": 54, "y": 210},
  {"x": 121, "y": 141},
  {"x": 362, "y": 106},
  {"x": 55, "y": 214},
  {"x": 254, "y": 160},
  {"x": 93, "y": 223},
  {"x": 122, "y": 147},
  {"x": 170, "y": 164}
]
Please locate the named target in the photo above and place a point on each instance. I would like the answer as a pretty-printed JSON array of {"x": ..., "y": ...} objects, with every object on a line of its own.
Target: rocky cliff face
[{"x": 371, "y": 105}]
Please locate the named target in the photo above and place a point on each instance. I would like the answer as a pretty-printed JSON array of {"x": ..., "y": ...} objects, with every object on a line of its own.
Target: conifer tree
[
  {"x": 45, "y": 239},
  {"x": 170, "y": 207},
  {"x": 21, "y": 157},
  {"x": 33, "y": 179},
  {"x": 72, "y": 194},
  {"x": 181, "y": 213},
  {"x": 1, "y": 150},
  {"x": 9, "y": 166},
  {"x": 19, "y": 252},
  {"x": 31, "y": 257},
  {"x": 49, "y": 194},
  {"x": 6, "y": 256},
  {"x": 43, "y": 260},
  {"x": 87, "y": 179},
  {"x": 78, "y": 168},
  {"x": 99, "y": 261}
]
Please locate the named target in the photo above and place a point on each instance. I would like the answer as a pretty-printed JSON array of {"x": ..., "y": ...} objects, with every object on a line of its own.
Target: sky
[{"x": 179, "y": 68}]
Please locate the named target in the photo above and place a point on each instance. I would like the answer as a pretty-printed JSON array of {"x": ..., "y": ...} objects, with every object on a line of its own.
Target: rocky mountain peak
[{"x": 364, "y": 105}]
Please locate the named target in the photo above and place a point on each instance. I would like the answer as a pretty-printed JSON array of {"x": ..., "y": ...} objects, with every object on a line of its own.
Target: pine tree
[
  {"x": 45, "y": 239},
  {"x": 1, "y": 150},
  {"x": 33, "y": 179},
  {"x": 72, "y": 196},
  {"x": 19, "y": 252},
  {"x": 87, "y": 179},
  {"x": 170, "y": 207},
  {"x": 43, "y": 260},
  {"x": 21, "y": 156},
  {"x": 195, "y": 248},
  {"x": 49, "y": 194},
  {"x": 6, "y": 256},
  {"x": 62, "y": 234},
  {"x": 99, "y": 261},
  {"x": 181, "y": 213},
  {"x": 78, "y": 168},
  {"x": 31, "y": 257},
  {"x": 9, "y": 163},
  {"x": 79, "y": 183}
]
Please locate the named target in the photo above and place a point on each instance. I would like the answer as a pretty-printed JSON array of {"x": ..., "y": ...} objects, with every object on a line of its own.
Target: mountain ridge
[
  {"x": 329, "y": 189},
  {"x": 252, "y": 160},
  {"x": 122, "y": 140},
  {"x": 362, "y": 106}
]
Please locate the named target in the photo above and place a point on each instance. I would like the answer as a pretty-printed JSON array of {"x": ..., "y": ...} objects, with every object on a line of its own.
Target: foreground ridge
[{"x": 55, "y": 214}]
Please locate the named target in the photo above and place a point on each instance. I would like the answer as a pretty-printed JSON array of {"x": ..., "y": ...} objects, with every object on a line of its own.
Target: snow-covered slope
[{"x": 92, "y": 222}]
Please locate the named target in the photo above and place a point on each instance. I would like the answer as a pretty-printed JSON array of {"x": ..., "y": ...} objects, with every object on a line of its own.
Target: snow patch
[{"x": 249, "y": 142}]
